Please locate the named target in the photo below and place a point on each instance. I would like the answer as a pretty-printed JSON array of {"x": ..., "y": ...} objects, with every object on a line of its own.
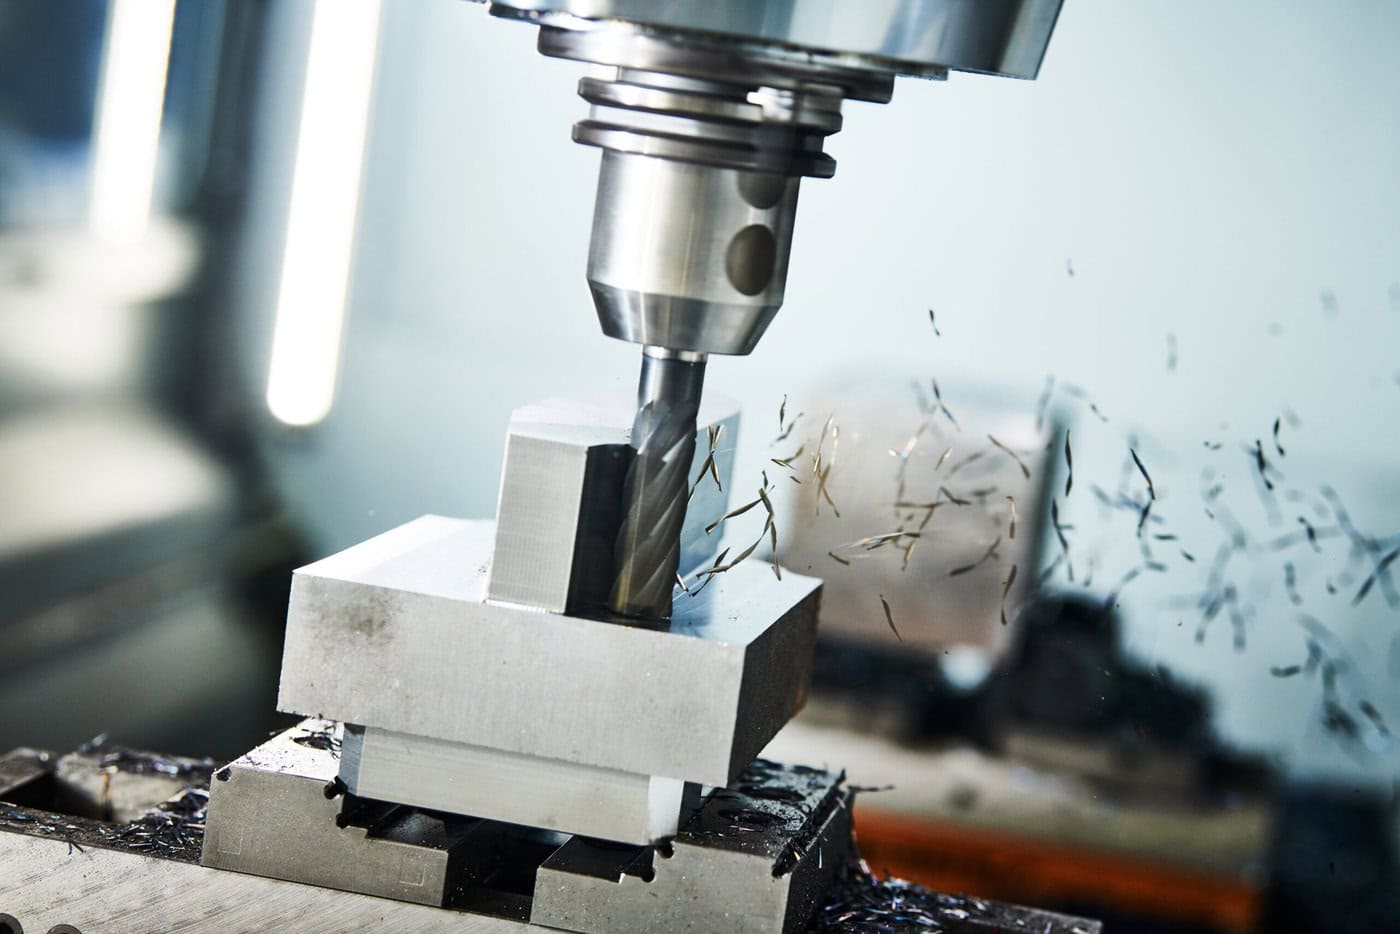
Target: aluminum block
[
  {"x": 396, "y": 633},
  {"x": 561, "y": 496},
  {"x": 512, "y": 787},
  {"x": 270, "y": 814},
  {"x": 758, "y": 857}
]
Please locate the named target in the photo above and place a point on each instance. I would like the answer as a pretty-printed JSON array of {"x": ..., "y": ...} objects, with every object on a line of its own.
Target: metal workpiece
[
  {"x": 561, "y": 501},
  {"x": 757, "y": 857},
  {"x": 396, "y": 633},
  {"x": 274, "y": 813},
  {"x": 687, "y": 256},
  {"x": 655, "y": 491},
  {"x": 507, "y": 786},
  {"x": 999, "y": 37}
]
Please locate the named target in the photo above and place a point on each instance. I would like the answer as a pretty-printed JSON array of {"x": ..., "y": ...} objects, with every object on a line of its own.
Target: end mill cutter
[
  {"x": 648, "y": 550},
  {"x": 709, "y": 115}
]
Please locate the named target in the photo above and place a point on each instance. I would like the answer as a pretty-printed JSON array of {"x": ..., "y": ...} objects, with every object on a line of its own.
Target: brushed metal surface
[
  {"x": 269, "y": 815},
  {"x": 561, "y": 497},
  {"x": 508, "y": 786},
  {"x": 1000, "y": 37},
  {"x": 45, "y": 883},
  {"x": 396, "y": 633},
  {"x": 663, "y": 235},
  {"x": 758, "y": 857}
]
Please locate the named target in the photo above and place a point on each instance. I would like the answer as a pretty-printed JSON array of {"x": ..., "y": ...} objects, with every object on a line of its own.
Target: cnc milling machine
[{"x": 536, "y": 720}]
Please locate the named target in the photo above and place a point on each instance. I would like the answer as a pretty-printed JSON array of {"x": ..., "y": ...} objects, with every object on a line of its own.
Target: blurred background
[{"x": 274, "y": 274}]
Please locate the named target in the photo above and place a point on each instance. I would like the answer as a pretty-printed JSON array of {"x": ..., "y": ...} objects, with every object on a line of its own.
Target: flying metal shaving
[
  {"x": 1151, "y": 490},
  {"x": 990, "y": 552},
  {"x": 908, "y": 550},
  {"x": 709, "y": 464},
  {"x": 739, "y": 511},
  {"x": 889, "y": 617},
  {"x": 972, "y": 458},
  {"x": 787, "y": 461},
  {"x": 1069, "y": 466},
  {"x": 772, "y": 527},
  {"x": 944, "y": 491},
  {"x": 1025, "y": 471}
]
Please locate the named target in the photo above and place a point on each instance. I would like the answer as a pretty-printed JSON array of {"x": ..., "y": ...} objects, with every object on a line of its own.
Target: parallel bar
[{"x": 506, "y": 786}]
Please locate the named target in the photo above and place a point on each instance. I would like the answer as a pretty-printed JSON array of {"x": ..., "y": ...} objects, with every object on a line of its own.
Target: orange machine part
[{"x": 993, "y": 864}]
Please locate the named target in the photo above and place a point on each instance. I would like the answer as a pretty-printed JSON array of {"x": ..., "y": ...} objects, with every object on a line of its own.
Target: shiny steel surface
[
  {"x": 396, "y": 633},
  {"x": 462, "y": 779},
  {"x": 715, "y": 60},
  {"x": 647, "y": 554},
  {"x": 687, "y": 256},
  {"x": 705, "y": 89},
  {"x": 703, "y": 148},
  {"x": 561, "y": 501},
  {"x": 758, "y": 857},
  {"x": 269, "y": 815},
  {"x": 914, "y": 37},
  {"x": 648, "y": 92},
  {"x": 680, "y": 258}
]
